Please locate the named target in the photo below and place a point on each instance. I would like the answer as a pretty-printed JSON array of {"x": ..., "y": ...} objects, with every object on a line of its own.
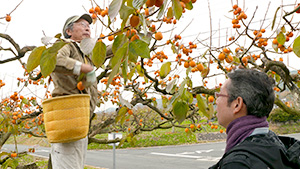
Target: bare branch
[{"x": 21, "y": 52}]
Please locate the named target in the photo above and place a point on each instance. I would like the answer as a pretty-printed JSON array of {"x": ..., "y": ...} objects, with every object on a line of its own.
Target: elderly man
[
  {"x": 243, "y": 105},
  {"x": 71, "y": 62}
]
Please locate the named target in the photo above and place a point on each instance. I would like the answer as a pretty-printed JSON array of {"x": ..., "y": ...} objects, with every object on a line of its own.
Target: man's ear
[
  {"x": 68, "y": 31},
  {"x": 237, "y": 105}
]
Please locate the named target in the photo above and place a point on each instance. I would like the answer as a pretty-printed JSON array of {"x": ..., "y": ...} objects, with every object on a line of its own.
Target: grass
[
  {"x": 154, "y": 138},
  {"x": 42, "y": 163},
  {"x": 286, "y": 128},
  {"x": 28, "y": 159}
]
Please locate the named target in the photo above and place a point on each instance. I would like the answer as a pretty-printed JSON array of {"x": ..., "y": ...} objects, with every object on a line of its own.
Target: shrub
[{"x": 278, "y": 115}]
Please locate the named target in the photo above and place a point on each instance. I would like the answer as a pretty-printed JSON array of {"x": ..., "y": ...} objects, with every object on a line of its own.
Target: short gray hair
[
  {"x": 69, "y": 27},
  {"x": 256, "y": 89}
]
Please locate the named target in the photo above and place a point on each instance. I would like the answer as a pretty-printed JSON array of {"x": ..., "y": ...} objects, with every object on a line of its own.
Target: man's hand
[{"x": 85, "y": 68}]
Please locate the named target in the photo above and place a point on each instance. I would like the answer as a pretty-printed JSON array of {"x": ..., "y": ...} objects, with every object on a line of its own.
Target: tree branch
[
  {"x": 287, "y": 109},
  {"x": 21, "y": 52}
]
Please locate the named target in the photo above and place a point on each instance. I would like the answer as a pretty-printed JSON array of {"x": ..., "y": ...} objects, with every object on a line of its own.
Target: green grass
[
  {"x": 286, "y": 128},
  {"x": 42, "y": 163},
  {"x": 159, "y": 137}
]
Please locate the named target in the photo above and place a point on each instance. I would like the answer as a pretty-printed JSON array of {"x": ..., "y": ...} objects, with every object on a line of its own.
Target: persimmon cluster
[
  {"x": 188, "y": 49},
  {"x": 160, "y": 55},
  {"x": 98, "y": 11},
  {"x": 281, "y": 47},
  {"x": 113, "y": 95},
  {"x": 132, "y": 34},
  {"x": 239, "y": 15},
  {"x": 35, "y": 82},
  {"x": 115, "y": 82},
  {"x": 176, "y": 38},
  {"x": 225, "y": 55}
]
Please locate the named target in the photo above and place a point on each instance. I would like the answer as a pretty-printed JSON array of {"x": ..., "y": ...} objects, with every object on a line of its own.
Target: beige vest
[{"x": 65, "y": 82}]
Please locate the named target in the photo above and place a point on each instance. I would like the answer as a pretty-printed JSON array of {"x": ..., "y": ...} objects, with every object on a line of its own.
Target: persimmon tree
[{"x": 126, "y": 65}]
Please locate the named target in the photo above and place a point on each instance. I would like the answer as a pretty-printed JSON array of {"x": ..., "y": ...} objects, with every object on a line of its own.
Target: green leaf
[
  {"x": 131, "y": 73},
  {"x": 118, "y": 42},
  {"x": 170, "y": 13},
  {"x": 129, "y": 3},
  {"x": 48, "y": 58},
  {"x": 296, "y": 46},
  {"x": 180, "y": 109},
  {"x": 274, "y": 19},
  {"x": 34, "y": 58},
  {"x": 205, "y": 72},
  {"x": 162, "y": 9},
  {"x": 132, "y": 58},
  {"x": 189, "y": 82},
  {"x": 210, "y": 111},
  {"x": 187, "y": 96},
  {"x": 122, "y": 112},
  {"x": 171, "y": 86},
  {"x": 125, "y": 12},
  {"x": 119, "y": 55},
  {"x": 139, "y": 48},
  {"x": 165, "y": 70},
  {"x": 114, "y": 8},
  {"x": 137, "y": 4},
  {"x": 99, "y": 54},
  {"x": 58, "y": 36},
  {"x": 140, "y": 70},
  {"x": 281, "y": 38},
  {"x": 189, "y": 5},
  {"x": 165, "y": 102},
  {"x": 147, "y": 37},
  {"x": 125, "y": 69},
  {"x": 182, "y": 87},
  {"x": 275, "y": 47},
  {"x": 144, "y": 27},
  {"x": 174, "y": 49},
  {"x": 283, "y": 30},
  {"x": 201, "y": 104},
  {"x": 177, "y": 9},
  {"x": 25, "y": 101}
]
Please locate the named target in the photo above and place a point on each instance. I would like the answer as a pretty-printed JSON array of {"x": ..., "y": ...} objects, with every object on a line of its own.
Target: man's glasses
[
  {"x": 85, "y": 25},
  {"x": 220, "y": 95}
]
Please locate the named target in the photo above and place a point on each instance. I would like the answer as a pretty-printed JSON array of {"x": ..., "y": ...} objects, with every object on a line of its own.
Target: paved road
[{"x": 199, "y": 156}]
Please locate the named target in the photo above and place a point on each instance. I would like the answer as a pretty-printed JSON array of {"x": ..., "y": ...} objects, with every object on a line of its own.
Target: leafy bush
[{"x": 278, "y": 115}]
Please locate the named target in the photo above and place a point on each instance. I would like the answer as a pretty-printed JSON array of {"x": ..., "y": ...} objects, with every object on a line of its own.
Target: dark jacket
[{"x": 262, "y": 151}]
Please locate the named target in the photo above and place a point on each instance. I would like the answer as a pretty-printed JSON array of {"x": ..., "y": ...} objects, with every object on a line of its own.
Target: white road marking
[
  {"x": 202, "y": 158},
  {"x": 186, "y": 153},
  {"x": 41, "y": 150},
  {"x": 209, "y": 158},
  {"x": 204, "y": 151}
]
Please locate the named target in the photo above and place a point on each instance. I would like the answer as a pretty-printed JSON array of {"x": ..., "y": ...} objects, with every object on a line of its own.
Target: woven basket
[{"x": 66, "y": 117}]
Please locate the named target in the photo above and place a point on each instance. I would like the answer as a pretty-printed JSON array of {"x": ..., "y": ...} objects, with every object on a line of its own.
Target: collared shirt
[{"x": 262, "y": 130}]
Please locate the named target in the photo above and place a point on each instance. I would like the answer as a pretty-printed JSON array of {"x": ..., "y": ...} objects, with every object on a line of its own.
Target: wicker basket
[{"x": 67, "y": 117}]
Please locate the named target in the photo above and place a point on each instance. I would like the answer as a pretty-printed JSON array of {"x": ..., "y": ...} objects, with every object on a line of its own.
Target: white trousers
[{"x": 69, "y": 155}]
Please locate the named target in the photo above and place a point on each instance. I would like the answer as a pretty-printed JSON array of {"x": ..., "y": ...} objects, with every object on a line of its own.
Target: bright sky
[{"x": 33, "y": 17}]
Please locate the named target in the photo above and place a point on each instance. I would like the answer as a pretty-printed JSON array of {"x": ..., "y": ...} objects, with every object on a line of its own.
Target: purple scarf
[{"x": 241, "y": 128}]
